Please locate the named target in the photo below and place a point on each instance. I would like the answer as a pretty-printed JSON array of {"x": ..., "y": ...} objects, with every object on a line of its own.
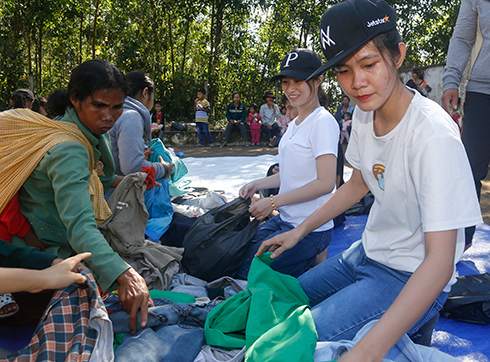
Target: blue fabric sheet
[{"x": 465, "y": 341}]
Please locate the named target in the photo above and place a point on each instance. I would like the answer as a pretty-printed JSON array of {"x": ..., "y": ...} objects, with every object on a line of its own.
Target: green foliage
[{"x": 221, "y": 45}]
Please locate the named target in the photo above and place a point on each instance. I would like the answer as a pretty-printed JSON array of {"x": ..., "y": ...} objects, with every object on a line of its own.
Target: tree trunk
[
  {"x": 94, "y": 33},
  {"x": 171, "y": 43},
  {"x": 186, "y": 38},
  {"x": 40, "y": 54},
  {"x": 80, "y": 40}
]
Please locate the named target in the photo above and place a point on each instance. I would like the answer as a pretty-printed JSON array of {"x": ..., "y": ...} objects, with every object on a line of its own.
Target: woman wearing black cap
[
  {"x": 306, "y": 178},
  {"x": 406, "y": 150}
]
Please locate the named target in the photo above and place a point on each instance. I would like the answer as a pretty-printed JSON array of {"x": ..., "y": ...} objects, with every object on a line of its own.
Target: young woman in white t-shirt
[
  {"x": 407, "y": 151},
  {"x": 307, "y": 173}
]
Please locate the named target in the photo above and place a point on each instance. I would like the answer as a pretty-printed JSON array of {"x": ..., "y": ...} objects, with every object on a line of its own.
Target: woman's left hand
[{"x": 260, "y": 209}]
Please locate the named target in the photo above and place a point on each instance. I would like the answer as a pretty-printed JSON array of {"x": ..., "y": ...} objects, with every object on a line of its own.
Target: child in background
[
  {"x": 159, "y": 118},
  {"x": 202, "y": 109},
  {"x": 283, "y": 120},
  {"x": 345, "y": 123},
  {"x": 255, "y": 121}
]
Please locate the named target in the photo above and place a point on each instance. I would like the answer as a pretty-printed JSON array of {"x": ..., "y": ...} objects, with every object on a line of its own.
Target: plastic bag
[
  {"x": 469, "y": 300},
  {"x": 159, "y": 149},
  {"x": 217, "y": 242},
  {"x": 160, "y": 210}
]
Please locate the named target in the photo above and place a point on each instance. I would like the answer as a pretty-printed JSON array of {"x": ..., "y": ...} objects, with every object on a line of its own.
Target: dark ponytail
[{"x": 138, "y": 81}]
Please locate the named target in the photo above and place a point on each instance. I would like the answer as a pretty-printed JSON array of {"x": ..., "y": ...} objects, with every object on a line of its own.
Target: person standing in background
[
  {"x": 202, "y": 109},
  {"x": 471, "y": 43}
]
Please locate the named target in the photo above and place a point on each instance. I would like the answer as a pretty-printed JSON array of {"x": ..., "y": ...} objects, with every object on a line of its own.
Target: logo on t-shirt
[{"x": 379, "y": 174}]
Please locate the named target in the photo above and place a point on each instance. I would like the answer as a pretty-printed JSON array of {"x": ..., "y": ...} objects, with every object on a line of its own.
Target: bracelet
[{"x": 271, "y": 197}]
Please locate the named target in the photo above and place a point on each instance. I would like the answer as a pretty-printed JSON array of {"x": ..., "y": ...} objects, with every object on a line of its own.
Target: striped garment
[
  {"x": 25, "y": 137},
  {"x": 64, "y": 333}
]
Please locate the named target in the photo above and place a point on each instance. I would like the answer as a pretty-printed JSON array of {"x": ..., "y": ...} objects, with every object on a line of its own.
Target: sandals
[{"x": 5, "y": 300}]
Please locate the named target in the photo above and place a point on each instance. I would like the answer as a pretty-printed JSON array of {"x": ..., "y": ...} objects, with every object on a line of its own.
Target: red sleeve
[{"x": 12, "y": 222}]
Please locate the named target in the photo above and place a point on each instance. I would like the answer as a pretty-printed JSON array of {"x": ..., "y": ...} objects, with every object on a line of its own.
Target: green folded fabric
[
  {"x": 175, "y": 297},
  {"x": 272, "y": 318}
]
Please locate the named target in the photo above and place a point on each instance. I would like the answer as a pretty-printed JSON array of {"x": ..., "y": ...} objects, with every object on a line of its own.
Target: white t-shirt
[
  {"x": 317, "y": 135},
  {"x": 421, "y": 180}
]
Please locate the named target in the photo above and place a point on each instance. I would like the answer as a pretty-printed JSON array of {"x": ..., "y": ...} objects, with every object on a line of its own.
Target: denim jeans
[
  {"x": 295, "y": 261},
  {"x": 349, "y": 290},
  {"x": 241, "y": 127},
  {"x": 269, "y": 133},
  {"x": 174, "y": 332},
  {"x": 203, "y": 130},
  {"x": 167, "y": 343}
]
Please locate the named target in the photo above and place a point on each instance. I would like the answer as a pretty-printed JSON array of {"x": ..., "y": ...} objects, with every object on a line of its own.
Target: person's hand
[
  {"x": 61, "y": 273},
  {"x": 268, "y": 126},
  {"x": 280, "y": 243},
  {"x": 248, "y": 190},
  {"x": 275, "y": 169},
  {"x": 134, "y": 296},
  {"x": 147, "y": 152},
  {"x": 450, "y": 98},
  {"x": 31, "y": 239},
  {"x": 261, "y": 209},
  {"x": 169, "y": 165},
  {"x": 196, "y": 100}
]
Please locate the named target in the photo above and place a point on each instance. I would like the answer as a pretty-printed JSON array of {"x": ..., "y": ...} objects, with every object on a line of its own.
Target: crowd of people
[{"x": 57, "y": 173}]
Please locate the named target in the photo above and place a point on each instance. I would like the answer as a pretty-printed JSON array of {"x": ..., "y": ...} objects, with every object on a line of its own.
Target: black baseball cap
[
  {"x": 350, "y": 24},
  {"x": 299, "y": 64}
]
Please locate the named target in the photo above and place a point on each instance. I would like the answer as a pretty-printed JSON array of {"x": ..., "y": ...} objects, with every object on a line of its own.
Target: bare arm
[
  {"x": 59, "y": 275},
  {"x": 423, "y": 287},
  {"x": 346, "y": 196},
  {"x": 323, "y": 184}
]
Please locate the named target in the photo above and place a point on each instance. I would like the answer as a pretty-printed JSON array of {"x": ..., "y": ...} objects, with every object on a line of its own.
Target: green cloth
[
  {"x": 56, "y": 201},
  {"x": 272, "y": 318},
  {"x": 175, "y": 297}
]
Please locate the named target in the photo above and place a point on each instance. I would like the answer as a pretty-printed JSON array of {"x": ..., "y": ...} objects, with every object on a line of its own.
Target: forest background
[{"x": 224, "y": 46}]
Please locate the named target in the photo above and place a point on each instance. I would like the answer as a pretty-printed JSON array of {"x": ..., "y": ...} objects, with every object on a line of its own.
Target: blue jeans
[
  {"x": 203, "y": 130},
  {"x": 294, "y": 261},
  {"x": 240, "y": 126},
  {"x": 349, "y": 290},
  {"x": 269, "y": 133},
  {"x": 175, "y": 332}
]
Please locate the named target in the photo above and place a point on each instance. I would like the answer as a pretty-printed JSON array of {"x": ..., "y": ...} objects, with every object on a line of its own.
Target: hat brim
[
  {"x": 296, "y": 74},
  {"x": 338, "y": 58}
]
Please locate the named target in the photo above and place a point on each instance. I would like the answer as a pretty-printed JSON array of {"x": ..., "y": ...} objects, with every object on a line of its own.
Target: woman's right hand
[
  {"x": 169, "y": 165},
  {"x": 280, "y": 243},
  {"x": 248, "y": 190}
]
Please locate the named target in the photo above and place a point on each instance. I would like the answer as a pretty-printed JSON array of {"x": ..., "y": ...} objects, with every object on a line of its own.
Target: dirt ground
[{"x": 191, "y": 151}]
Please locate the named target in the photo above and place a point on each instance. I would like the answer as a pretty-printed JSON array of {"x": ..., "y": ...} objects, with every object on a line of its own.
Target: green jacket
[
  {"x": 56, "y": 201},
  {"x": 272, "y": 318}
]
